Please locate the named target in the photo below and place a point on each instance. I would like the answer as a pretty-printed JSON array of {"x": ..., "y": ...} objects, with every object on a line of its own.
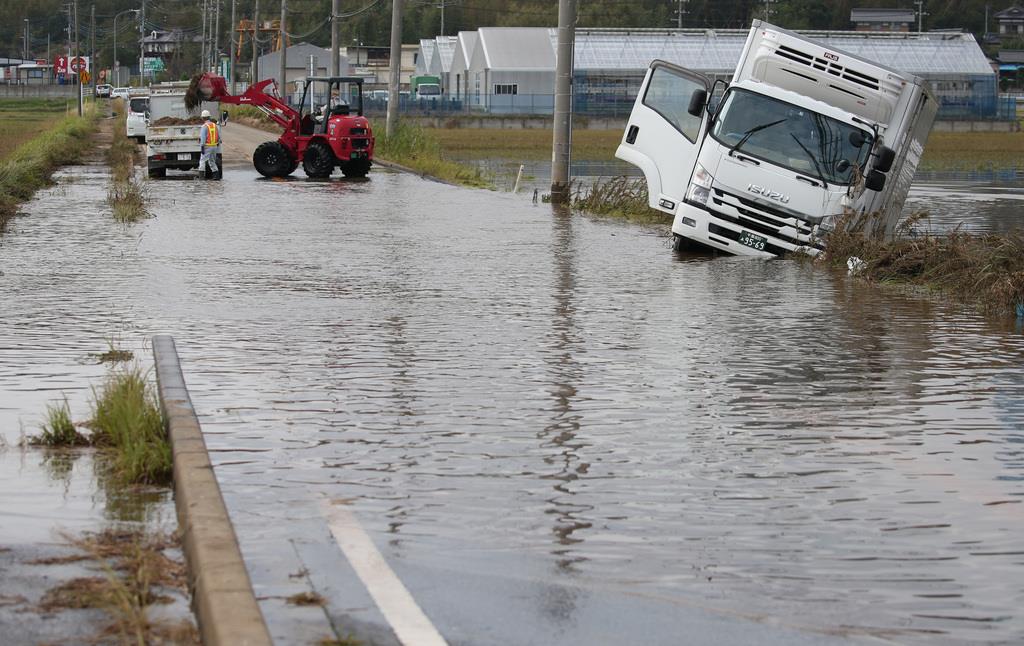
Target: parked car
[
  {"x": 103, "y": 91},
  {"x": 137, "y": 118},
  {"x": 120, "y": 93}
]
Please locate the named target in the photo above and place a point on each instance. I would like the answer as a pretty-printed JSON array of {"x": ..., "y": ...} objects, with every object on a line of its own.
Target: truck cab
[{"x": 801, "y": 137}]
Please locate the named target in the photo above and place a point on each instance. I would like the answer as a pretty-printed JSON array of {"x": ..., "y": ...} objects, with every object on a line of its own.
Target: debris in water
[{"x": 855, "y": 265}]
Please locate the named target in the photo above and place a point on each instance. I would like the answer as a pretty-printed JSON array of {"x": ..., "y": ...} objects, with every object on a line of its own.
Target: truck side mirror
[
  {"x": 697, "y": 101},
  {"x": 874, "y": 180},
  {"x": 885, "y": 157}
]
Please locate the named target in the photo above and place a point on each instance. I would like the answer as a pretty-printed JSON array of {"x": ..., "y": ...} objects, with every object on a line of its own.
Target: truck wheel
[
  {"x": 157, "y": 173},
  {"x": 271, "y": 159},
  {"x": 318, "y": 162},
  {"x": 680, "y": 243},
  {"x": 358, "y": 168}
]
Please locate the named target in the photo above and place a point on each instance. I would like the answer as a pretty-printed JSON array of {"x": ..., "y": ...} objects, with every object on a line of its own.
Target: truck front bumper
[{"x": 741, "y": 228}]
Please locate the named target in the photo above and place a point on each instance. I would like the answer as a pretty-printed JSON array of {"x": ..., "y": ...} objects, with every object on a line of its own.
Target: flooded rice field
[
  {"x": 553, "y": 428},
  {"x": 983, "y": 201}
]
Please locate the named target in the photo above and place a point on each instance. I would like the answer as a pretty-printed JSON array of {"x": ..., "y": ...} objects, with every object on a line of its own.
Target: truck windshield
[
  {"x": 790, "y": 136},
  {"x": 139, "y": 105},
  {"x": 429, "y": 89}
]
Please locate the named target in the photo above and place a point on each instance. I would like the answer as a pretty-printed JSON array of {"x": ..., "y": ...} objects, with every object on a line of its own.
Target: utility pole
[
  {"x": 203, "y": 55},
  {"x": 442, "y": 17},
  {"x": 24, "y": 49},
  {"x": 920, "y": 15},
  {"x": 769, "y": 9},
  {"x": 335, "y": 38},
  {"x": 216, "y": 36},
  {"x": 680, "y": 12},
  {"x": 282, "y": 78},
  {"x": 142, "y": 45},
  {"x": 255, "y": 37},
  {"x": 78, "y": 72},
  {"x": 561, "y": 148},
  {"x": 92, "y": 50},
  {"x": 396, "y": 67},
  {"x": 232, "y": 53}
]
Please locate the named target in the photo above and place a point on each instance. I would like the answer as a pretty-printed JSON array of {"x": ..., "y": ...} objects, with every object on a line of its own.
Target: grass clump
[
  {"x": 58, "y": 429},
  {"x": 986, "y": 270},
  {"x": 126, "y": 195},
  {"x": 411, "y": 145},
  {"x": 620, "y": 197},
  {"x": 127, "y": 418}
]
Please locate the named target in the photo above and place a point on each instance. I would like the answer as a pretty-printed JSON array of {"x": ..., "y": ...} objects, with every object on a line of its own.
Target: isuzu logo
[
  {"x": 771, "y": 195},
  {"x": 831, "y": 56}
]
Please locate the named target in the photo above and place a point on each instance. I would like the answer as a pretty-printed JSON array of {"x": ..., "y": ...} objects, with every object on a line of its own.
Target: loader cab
[{"x": 324, "y": 98}]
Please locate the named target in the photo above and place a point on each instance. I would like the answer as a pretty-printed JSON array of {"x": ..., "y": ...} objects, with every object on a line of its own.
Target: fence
[{"x": 41, "y": 91}]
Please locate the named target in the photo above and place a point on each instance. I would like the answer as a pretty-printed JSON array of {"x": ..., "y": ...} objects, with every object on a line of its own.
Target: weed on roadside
[
  {"x": 412, "y": 146},
  {"x": 620, "y": 197},
  {"x": 127, "y": 418},
  {"x": 58, "y": 429}
]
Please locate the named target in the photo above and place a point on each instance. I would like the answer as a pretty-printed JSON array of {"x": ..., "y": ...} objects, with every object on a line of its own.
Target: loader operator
[{"x": 209, "y": 142}]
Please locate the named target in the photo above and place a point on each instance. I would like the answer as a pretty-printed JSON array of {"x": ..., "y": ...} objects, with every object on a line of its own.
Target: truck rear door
[{"x": 662, "y": 137}]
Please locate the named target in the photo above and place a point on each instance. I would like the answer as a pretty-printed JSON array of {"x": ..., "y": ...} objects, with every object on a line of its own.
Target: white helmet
[{"x": 205, "y": 114}]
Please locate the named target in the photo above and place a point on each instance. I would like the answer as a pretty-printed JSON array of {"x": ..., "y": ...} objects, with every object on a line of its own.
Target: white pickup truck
[
  {"x": 803, "y": 135},
  {"x": 174, "y": 145}
]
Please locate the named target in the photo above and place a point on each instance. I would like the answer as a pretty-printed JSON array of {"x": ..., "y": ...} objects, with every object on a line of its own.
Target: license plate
[
  {"x": 753, "y": 240},
  {"x": 184, "y": 156}
]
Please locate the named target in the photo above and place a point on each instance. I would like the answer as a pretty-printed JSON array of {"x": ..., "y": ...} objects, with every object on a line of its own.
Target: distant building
[
  {"x": 1011, "y": 22},
  {"x": 513, "y": 70},
  {"x": 302, "y": 60},
  {"x": 165, "y": 44},
  {"x": 373, "y": 64},
  {"x": 441, "y": 60},
  {"x": 457, "y": 74},
  {"x": 882, "y": 19}
]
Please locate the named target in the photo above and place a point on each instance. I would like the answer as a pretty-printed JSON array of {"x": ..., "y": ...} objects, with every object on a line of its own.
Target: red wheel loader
[{"x": 324, "y": 133}]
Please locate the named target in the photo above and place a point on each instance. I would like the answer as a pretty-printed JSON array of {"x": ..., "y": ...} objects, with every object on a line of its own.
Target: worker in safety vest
[{"x": 209, "y": 142}]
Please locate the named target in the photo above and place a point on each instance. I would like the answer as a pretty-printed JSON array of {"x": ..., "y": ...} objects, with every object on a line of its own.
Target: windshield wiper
[
  {"x": 814, "y": 159},
  {"x": 746, "y": 135}
]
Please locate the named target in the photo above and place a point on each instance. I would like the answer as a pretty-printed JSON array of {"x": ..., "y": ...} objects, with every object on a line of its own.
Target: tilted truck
[
  {"x": 802, "y": 137},
  {"x": 172, "y": 134}
]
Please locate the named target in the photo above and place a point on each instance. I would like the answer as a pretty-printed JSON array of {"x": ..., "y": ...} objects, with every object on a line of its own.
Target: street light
[{"x": 117, "y": 66}]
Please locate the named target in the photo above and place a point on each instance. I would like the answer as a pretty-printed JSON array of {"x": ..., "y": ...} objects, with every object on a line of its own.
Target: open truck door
[{"x": 664, "y": 132}]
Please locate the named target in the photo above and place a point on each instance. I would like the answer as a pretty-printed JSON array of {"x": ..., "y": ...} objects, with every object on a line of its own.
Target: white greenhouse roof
[
  {"x": 927, "y": 54},
  {"x": 446, "y": 51}
]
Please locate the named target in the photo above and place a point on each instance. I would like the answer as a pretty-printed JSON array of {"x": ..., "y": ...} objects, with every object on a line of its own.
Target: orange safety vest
[{"x": 212, "y": 136}]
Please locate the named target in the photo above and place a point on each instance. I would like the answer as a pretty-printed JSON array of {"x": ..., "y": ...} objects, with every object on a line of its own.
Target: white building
[
  {"x": 423, "y": 56},
  {"x": 513, "y": 70},
  {"x": 441, "y": 60},
  {"x": 301, "y": 60},
  {"x": 461, "y": 57}
]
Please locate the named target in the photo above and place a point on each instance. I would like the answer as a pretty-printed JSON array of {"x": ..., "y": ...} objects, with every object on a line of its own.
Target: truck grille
[
  {"x": 733, "y": 236},
  {"x": 759, "y": 218},
  {"x": 831, "y": 67}
]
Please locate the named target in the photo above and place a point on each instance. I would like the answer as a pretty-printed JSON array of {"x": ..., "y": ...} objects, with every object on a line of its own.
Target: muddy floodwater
[{"x": 554, "y": 429}]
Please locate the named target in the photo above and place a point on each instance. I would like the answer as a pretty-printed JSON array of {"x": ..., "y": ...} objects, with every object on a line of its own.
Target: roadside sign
[
  {"x": 153, "y": 64},
  {"x": 60, "y": 65},
  {"x": 84, "y": 77},
  {"x": 80, "y": 64},
  {"x": 40, "y": 61}
]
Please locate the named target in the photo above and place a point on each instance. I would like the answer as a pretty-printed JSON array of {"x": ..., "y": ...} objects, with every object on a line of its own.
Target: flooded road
[{"x": 553, "y": 428}]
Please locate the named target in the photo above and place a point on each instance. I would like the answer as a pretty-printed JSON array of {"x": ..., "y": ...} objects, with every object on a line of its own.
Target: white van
[{"x": 138, "y": 118}]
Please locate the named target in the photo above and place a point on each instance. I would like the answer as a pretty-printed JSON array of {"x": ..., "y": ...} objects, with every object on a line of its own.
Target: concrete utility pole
[
  {"x": 680, "y": 12},
  {"x": 335, "y": 38},
  {"x": 396, "y": 67},
  {"x": 282, "y": 78},
  {"x": 442, "y": 17},
  {"x": 231, "y": 42},
  {"x": 920, "y": 15},
  {"x": 561, "y": 148},
  {"x": 203, "y": 56},
  {"x": 78, "y": 73},
  {"x": 142, "y": 44},
  {"x": 216, "y": 36},
  {"x": 255, "y": 37},
  {"x": 92, "y": 51},
  {"x": 24, "y": 50}
]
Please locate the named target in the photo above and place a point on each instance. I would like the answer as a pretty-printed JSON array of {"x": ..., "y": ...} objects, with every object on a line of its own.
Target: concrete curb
[{"x": 222, "y": 595}]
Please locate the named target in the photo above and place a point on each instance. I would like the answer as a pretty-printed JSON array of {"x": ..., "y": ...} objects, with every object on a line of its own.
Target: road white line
[{"x": 411, "y": 626}]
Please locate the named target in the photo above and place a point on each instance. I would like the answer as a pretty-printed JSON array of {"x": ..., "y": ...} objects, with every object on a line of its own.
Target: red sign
[
  {"x": 79, "y": 64},
  {"x": 40, "y": 61},
  {"x": 60, "y": 65}
]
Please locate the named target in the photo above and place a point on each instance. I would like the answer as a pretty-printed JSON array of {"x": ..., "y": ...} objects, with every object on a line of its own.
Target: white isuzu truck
[{"x": 768, "y": 163}]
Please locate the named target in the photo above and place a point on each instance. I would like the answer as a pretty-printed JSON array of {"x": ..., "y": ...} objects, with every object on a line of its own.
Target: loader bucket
[{"x": 204, "y": 87}]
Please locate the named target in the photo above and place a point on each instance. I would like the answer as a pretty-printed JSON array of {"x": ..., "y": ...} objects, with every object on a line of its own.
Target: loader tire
[
  {"x": 318, "y": 162},
  {"x": 271, "y": 159}
]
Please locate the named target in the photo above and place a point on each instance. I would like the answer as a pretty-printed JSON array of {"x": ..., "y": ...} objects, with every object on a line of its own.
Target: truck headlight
[{"x": 700, "y": 186}]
